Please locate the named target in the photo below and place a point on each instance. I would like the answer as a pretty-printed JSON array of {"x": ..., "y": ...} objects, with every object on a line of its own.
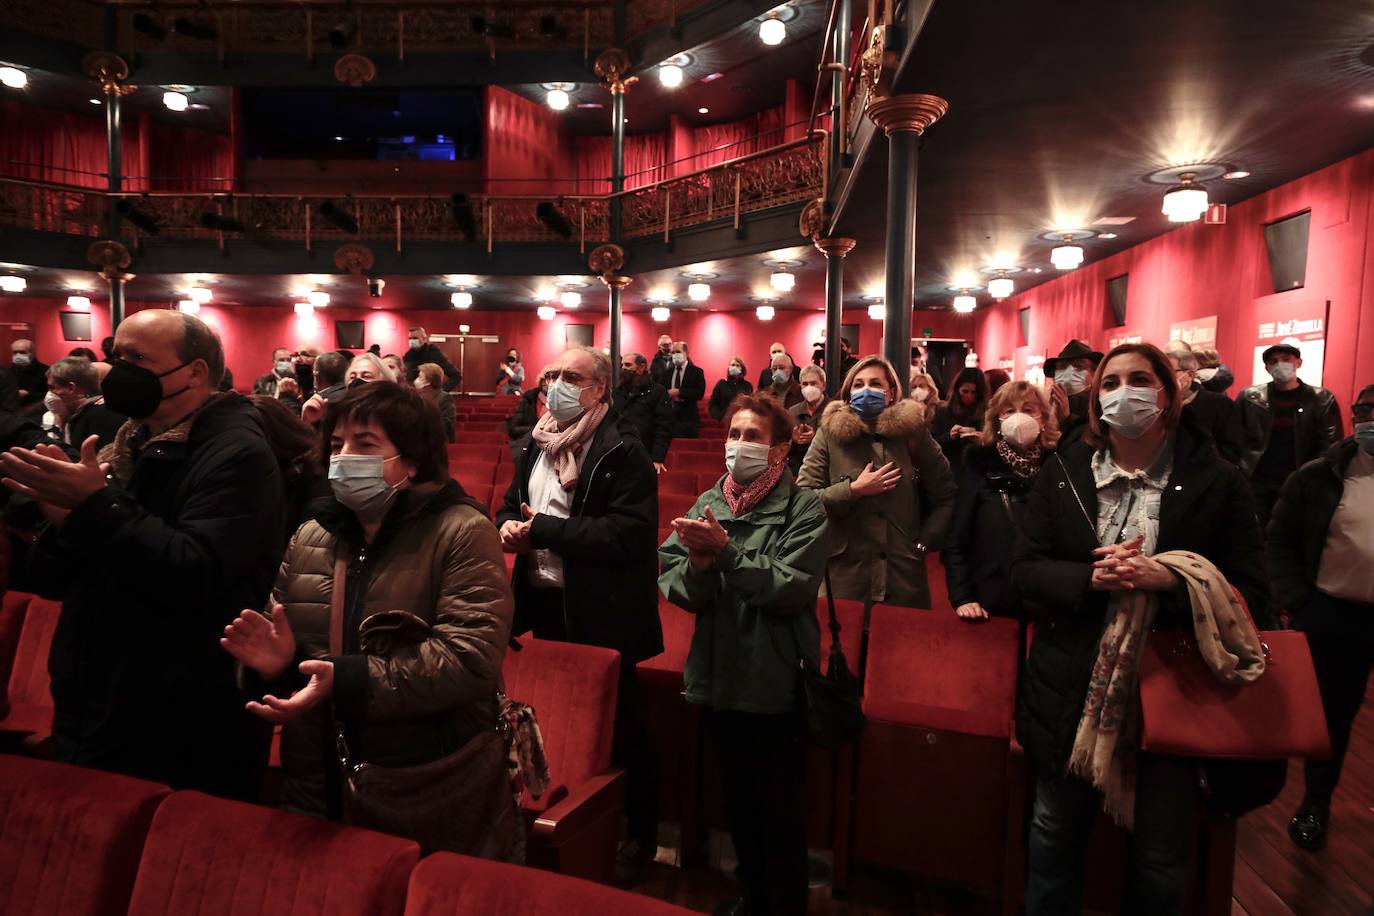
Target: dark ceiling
[
  {"x": 68, "y": 92},
  {"x": 1058, "y": 112}
]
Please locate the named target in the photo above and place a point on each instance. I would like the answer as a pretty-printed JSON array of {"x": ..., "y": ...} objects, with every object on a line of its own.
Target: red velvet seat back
[
  {"x": 573, "y": 691},
  {"x": 70, "y": 838},
  {"x": 12, "y": 609},
  {"x": 445, "y": 884},
  {"x": 29, "y": 695},
  {"x": 930, "y": 669},
  {"x": 212, "y": 857}
]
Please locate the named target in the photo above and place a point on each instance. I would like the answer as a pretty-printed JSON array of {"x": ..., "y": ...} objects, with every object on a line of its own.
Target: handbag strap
[
  {"x": 1068, "y": 479},
  {"x": 336, "y": 604},
  {"x": 830, "y": 606}
]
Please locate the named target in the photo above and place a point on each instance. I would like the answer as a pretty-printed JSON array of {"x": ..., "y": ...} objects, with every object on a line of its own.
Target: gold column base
[
  {"x": 910, "y": 112},
  {"x": 835, "y": 247}
]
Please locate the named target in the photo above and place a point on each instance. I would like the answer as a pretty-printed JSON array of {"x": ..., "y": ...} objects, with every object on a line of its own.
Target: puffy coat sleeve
[
  {"x": 460, "y": 662},
  {"x": 836, "y": 496},
  {"x": 689, "y": 589},
  {"x": 937, "y": 486},
  {"x": 786, "y": 576}
]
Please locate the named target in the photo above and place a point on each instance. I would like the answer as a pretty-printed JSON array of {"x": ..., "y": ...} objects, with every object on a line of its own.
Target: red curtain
[
  {"x": 189, "y": 160},
  {"x": 646, "y": 156},
  {"x": 722, "y": 142},
  {"x": 56, "y": 146},
  {"x": 524, "y": 148}
]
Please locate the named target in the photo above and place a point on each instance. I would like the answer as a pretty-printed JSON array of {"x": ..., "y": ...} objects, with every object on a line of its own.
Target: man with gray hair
[
  {"x": 155, "y": 544},
  {"x": 1211, "y": 412},
  {"x": 74, "y": 398}
]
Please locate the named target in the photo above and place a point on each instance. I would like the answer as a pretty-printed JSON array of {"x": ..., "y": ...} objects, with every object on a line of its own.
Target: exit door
[{"x": 477, "y": 356}]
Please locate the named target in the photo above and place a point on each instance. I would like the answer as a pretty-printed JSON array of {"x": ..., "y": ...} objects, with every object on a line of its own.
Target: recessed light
[
  {"x": 338, "y": 139},
  {"x": 703, "y": 111},
  {"x": 711, "y": 78},
  {"x": 96, "y": 102},
  {"x": 13, "y": 77},
  {"x": 1113, "y": 220},
  {"x": 590, "y": 105},
  {"x": 1237, "y": 174},
  {"x": 200, "y": 106},
  {"x": 1107, "y": 235}
]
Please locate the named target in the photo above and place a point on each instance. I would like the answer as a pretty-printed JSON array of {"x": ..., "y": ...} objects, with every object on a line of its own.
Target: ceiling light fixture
[
  {"x": 13, "y": 77},
  {"x": 1068, "y": 256},
  {"x": 764, "y": 312},
  {"x": 1186, "y": 201},
  {"x": 78, "y": 302},
  {"x": 661, "y": 313},
  {"x": 1236, "y": 175},
  {"x": 175, "y": 101},
  {"x": 545, "y": 292},
  {"x": 782, "y": 281},
  {"x": 546, "y": 312},
  {"x": 558, "y": 99},
  {"x": 699, "y": 292},
  {"x": 96, "y": 101},
  {"x": 1106, "y": 235},
  {"x": 304, "y": 309},
  {"x": 964, "y": 303},
  {"x": 1001, "y": 286},
  {"x": 670, "y": 76},
  {"x": 13, "y": 284},
  {"x": 877, "y": 311},
  {"x": 189, "y": 306},
  {"x": 571, "y": 299},
  {"x": 461, "y": 299},
  {"x": 772, "y": 31},
  {"x": 317, "y": 298},
  {"x": 703, "y": 111},
  {"x": 200, "y": 294}
]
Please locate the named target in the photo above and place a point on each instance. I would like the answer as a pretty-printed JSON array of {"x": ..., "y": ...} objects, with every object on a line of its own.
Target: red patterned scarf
[{"x": 743, "y": 497}]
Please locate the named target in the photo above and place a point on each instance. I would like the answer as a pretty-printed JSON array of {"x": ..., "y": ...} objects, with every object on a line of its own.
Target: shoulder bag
[
  {"x": 459, "y": 803},
  {"x": 834, "y": 713}
]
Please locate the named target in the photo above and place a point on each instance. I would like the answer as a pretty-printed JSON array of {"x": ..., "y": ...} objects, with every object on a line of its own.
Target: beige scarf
[
  {"x": 562, "y": 445},
  {"x": 1105, "y": 747}
]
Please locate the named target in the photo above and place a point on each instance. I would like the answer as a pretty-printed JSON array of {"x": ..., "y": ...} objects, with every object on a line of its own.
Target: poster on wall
[
  {"x": 1303, "y": 324},
  {"x": 1198, "y": 333},
  {"x": 1035, "y": 368},
  {"x": 1123, "y": 336},
  {"x": 1007, "y": 364}
]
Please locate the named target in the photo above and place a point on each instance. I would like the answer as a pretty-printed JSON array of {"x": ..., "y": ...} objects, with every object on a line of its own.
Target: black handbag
[{"x": 831, "y": 701}]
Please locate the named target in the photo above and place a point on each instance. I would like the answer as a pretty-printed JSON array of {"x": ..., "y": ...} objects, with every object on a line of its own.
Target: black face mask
[
  {"x": 135, "y": 391},
  {"x": 510, "y": 360},
  {"x": 355, "y": 383}
]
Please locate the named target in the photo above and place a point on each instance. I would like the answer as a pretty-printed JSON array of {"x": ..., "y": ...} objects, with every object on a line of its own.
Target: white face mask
[
  {"x": 1021, "y": 430},
  {"x": 1129, "y": 410},
  {"x": 1283, "y": 371},
  {"x": 359, "y": 483},
  {"x": 1206, "y": 375},
  {"x": 812, "y": 393},
  {"x": 745, "y": 461},
  {"x": 55, "y": 404},
  {"x": 1071, "y": 380},
  {"x": 565, "y": 401},
  {"x": 920, "y": 394}
]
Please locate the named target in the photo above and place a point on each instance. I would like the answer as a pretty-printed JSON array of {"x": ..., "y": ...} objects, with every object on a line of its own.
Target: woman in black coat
[
  {"x": 1174, "y": 493},
  {"x": 735, "y": 383},
  {"x": 1018, "y": 436},
  {"x": 960, "y": 421}
]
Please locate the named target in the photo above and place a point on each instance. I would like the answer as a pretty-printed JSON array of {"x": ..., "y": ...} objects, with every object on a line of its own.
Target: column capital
[
  {"x": 611, "y": 65},
  {"x": 616, "y": 281},
  {"x": 834, "y": 247},
  {"x": 910, "y": 112},
  {"x": 109, "y": 69},
  {"x": 110, "y": 258}
]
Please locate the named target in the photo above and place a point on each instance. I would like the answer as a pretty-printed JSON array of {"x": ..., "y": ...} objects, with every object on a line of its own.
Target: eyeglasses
[
  {"x": 572, "y": 378},
  {"x": 1362, "y": 411}
]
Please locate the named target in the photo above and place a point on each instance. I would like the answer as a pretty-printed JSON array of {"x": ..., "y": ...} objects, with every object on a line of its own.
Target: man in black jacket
[
  {"x": 422, "y": 351},
  {"x": 686, "y": 385},
  {"x": 1321, "y": 551},
  {"x": 582, "y": 516},
  {"x": 282, "y": 367},
  {"x": 663, "y": 360},
  {"x": 776, "y": 350},
  {"x": 644, "y": 403},
  {"x": 153, "y": 561},
  {"x": 1214, "y": 412},
  {"x": 30, "y": 375},
  {"x": 1284, "y": 425},
  {"x": 74, "y": 395}
]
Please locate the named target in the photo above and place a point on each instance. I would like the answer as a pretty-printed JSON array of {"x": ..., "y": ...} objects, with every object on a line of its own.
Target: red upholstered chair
[
  {"x": 939, "y": 695},
  {"x": 700, "y": 462},
  {"x": 468, "y": 451},
  {"x": 675, "y": 481},
  {"x": 505, "y": 473},
  {"x": 692, "y": 445},
  {"x": 214, "y": 857},
  {"x": 70, "y": 838},
  {"x": 673, "y": 505},
  {"x": 476, "y": 479},
  {"x": 707, "y": 480},
  {"x": 448, "y": 885},
  {"x": 12, "y": 609},
  {"x": 574, "y": 827},
  {"x": 30, "y": 712}
]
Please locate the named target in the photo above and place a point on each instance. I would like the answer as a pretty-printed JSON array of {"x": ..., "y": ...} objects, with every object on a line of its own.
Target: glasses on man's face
[
  {"x": 567, "y": 375},
  {"x": 1362, "y": 412}
]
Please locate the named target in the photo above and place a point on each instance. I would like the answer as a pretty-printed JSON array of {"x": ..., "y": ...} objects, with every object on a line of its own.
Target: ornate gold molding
[
  {"x": 616, "y": 281},
  {"x": 606, "y": 259},
  {"x": 109, "y": 69},
  {"x": 356, "y": 259},
  {"x": 812, "y": 219},
  {"x": 611, "y": 66},
  {"x": 835, "y": 247},
  {"x": 877, "y": 65},
  {"x": 110, "y": 258},
  {"x": 354, "y": 70},
  {"x": 912, "y": 112}
]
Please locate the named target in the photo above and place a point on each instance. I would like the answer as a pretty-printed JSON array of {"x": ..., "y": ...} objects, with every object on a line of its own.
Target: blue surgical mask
[
  {"x": 359, "y": 483},
  {"x": 284, "y": 367},
  {"x": 1364, "y": 436},
  {"x": 1130, "y": 410},
  {"x": 781, "y": 377},
  {"x": 868, "y": 402},
  {"x": 565, "y": 401}
]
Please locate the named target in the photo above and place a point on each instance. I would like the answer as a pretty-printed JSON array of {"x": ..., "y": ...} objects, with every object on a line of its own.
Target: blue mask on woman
[{"x": 868, "y": 402}]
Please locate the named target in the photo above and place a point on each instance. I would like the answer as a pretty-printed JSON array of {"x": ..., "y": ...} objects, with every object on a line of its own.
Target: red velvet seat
[
  {"x": 70, "y": 838},
  {"x": 465, "y": 451},
  {"x": 12, "y": 609},
  {"x": 699, "y": 462},
  {"x": 576, "y": 824},
  {"x": 213, "y": 857},
  {"x": 673, "y": 505},
  {"x": 448, "y": 885},
  {"x": 475, "y": 478},
  {"x": 692, "y": 445},
  {"x": 675, "y": 481},
  {"x": 707, "y": 480},
  {"x": 939, "y": 695},
  {"x": 505, "y": 473},
  {"x": 30, "y": 700}
]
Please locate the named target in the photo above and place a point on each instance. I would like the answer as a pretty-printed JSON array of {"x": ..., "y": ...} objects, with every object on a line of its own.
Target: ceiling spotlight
[
  {"x": 78, "y": 302},
  {"x": 1066, "y": 257},
  {"x": 175, "y": 101},
  {"x": 200, "y": 294},
  {"x": 545, "y": 293},
  {"x": 1186, "y": 201},
  {"x": 570, "y": 298},
  {"x": 782, "y": 281},
  {"x": 764, "y": 312},
  {"x": 699, "y": 292},
  {"x": 96, "y": 101},
  {"x": 772, "y": 31},
  {"x": 462, "y": 281},
  {"x": 1106, "y": 235},
  {"x": 464, "y": 328},
  {"x": 963, "y": 304},
  {"x": 703, "y": 111},
  {"x": 317, "y": 298},
  {"x": 661, "y": 313},
  {"x": 670, "y": 76},
  {"x": 877, "y": 311},
  {"x": 189, "y": 306},
  {"x": 13, "y": 77},
  {"x": 1236, "y": 175},
  {"x": 13, "y": 284},
  {"x": 461, "y": 299},
  {"x": 1001, "y": 286},
  {"x": 558, "y": 98},
  {"x": 546, "y": 312},
  {"x": 304, "y": 309}
]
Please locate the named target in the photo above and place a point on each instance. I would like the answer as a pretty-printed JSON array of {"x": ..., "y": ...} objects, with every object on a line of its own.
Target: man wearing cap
[
  {"x": 1284, "y": 425},
  {"x": 1072, "y": 372}
]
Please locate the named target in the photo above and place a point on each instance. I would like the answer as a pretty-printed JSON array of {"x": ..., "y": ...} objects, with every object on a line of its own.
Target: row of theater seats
[{"x": 85, "y": 843}]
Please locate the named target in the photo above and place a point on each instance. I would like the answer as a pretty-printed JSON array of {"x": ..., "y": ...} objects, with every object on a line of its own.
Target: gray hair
[
  {"x": 382, "y": 368},
  {"x": 601, "y": 368},
  {"x": 78, "y": 371},
  {"x": 330, "y": 368},
  {"x": 1180, "y": 351},
  {"x": 199, "y": 341},
  {"x": 813, "y": 369},
  {"x": 683, "y": 345}
]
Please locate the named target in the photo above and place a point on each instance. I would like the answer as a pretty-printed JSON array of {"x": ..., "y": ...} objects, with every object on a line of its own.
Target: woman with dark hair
[
  {"x": 747, "y": 560},
  {"x": 996, "y": 378},
  {"x": 510, "y": 376},
  {"x": 85, "y": 353},
  {"x": 296, "y": 448},
  {"x": 429, "y": 381},
  {"x": 1099, "y": 556},
  {"x": 735, "y": 383},
  {"x": 426, "y": 613},
  {"x": 885, "y": 485},
  {"x": 960, "y": 421}
]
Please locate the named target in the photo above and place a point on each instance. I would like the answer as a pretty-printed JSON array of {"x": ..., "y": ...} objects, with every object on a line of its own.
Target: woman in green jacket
[{"x": 748, "y": 559}]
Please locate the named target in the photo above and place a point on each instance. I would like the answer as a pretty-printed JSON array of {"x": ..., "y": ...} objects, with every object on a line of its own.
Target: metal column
[
  {"x": 844, "y": 17},
  {"x": 114, "y": 165},
  {"x": 834, "y": 250}
]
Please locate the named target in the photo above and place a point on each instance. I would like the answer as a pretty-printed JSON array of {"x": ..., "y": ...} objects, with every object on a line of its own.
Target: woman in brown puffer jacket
[
  {"x": 886, "y": 487},
  {"x": 426, "y": 610}
]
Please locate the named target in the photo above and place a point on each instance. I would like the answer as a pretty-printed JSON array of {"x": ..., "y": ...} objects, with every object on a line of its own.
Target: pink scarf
[
  {"x": 743, "y": 497},
  {"x": 562, "y": 445}
]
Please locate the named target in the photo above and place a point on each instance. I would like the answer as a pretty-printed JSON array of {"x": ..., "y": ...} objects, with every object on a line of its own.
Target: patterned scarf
[
  {"x": 1027, "y": 465},
  {"x": 743, "y": 497},
  {"x": 562, "y": 445}
]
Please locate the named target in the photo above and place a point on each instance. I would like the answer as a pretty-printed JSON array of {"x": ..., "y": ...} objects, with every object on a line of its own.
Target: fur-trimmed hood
[{"x": 899, "y": 421}]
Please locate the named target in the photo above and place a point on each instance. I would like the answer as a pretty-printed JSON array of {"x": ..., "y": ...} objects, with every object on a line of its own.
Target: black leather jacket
[{"x": 1318, "y": 428}]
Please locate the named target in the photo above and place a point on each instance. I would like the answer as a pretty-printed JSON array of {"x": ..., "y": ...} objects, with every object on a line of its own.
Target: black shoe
[
  {"x": 735, "y": 906},
  {"x": 1308, "y": 826},
  {"x": 630, "y": 860}
]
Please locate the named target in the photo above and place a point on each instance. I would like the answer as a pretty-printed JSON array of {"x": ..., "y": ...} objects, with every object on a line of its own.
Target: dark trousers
[
  {"x": 1157, "y": 855},
  {"x": 1341, "y": 636},
  {"x": 631, "y": 747},
  {"x": 761, "y": 760},
  {"x": 1266, "y": 493}
]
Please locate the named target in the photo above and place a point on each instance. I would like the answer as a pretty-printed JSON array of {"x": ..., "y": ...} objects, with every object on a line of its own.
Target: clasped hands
[
  {"x": 1122, "y": 567},
  {"x": 703, "y": 537},
  {"x": 515, "y": 536},
  {"x": 268, "y": 647},
  {"x": 57, "y": 483}
]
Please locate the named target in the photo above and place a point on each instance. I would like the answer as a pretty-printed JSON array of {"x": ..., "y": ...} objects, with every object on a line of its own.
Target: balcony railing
[{"x": 769, "y": 178}]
